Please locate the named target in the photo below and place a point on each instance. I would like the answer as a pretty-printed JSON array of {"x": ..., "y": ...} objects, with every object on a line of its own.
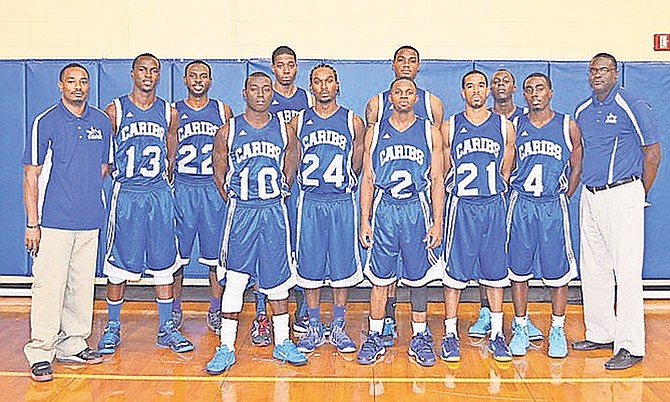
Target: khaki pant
[{"x": 61, "y": 313}]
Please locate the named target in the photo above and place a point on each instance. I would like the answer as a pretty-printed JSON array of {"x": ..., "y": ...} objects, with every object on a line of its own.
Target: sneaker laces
[
  {"x": 555, "y": 334},
  {"x": 339, "y": 335},
  {"x": 451, "y": 342},
  {"x": 290, "y": 351},
  {"x": 371, "y": 344},
  {"x": 263, "y": 325},
  {"x": 173, "y": 336},
  {"x": 421, "y": 342}
]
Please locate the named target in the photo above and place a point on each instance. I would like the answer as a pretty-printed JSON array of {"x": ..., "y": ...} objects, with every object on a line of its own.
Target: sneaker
[
  {"x": 449, "y": 350},
  {"x": 371, "y": 349},
  {"x": 169, "y": 337},
  {"x": 558, "y": 346},
  {"x": 421, "y": 349},
  {"x": 260, "y": 331},
  {"x": 110, "y": 339},
  {"x": 482, "y": 326},
  {"x": 41, "y": 372},
  {"x": 339, "y": 338},
  {"x": 499, "y": 349},
  {"x": 221, "y": 361},
  {"x": 534, "y": 333},
  {"x": 214, "y": 321},
  {"x": 300, "y": 324},
  {"x": 86, "y": 356},
  {"x": 287, "y": 352},
  {"x": 389, "y": 331},
  {"x": 519, "y": 343},
  {"x": 313, "y": 338},
  {"x": 176, "y": 318}
]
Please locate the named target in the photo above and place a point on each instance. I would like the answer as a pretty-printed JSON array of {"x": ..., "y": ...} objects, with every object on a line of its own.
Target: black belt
[{"x": 595, "y": 189}]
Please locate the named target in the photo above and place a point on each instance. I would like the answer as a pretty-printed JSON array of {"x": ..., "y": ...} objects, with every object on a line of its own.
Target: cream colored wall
[{"x": 342, "y": 29}]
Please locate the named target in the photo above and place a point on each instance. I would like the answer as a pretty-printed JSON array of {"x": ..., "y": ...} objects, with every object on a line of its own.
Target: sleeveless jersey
[
  {"x": 256, "y": 160},
  {"x": 287, "y": 108},
  {"x": 195, "y": 136},
  {"x": 518, "y": 112},
  {"x": 327, "y": 148},
  {"x": 542, "y": 156},
  {"x": 139, "y": 143},
  {"x": 421, "y": 107},
  {"x": 476, "y": 154},
  {"x": 401, "y": 160}
]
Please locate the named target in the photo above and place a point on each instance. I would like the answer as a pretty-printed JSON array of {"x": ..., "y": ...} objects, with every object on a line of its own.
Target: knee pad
[
  {"x": 115, "y": 281},
  {"x": 418, "y": 298},
  {"x": 163, "y": 280},
  {"x": 233, "y": 294},
  {"x": 278, "y": 296}
]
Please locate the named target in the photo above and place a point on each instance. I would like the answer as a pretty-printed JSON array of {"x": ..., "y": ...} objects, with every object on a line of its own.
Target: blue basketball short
[
  {"x": 475, "y": 241},
  {"x": 327, "y": 243},
  {"x": 540, "y": 229},
  {"x": 398, "y": 251},
  {"x": 256, "y": 242},
  {"x": 141, "y": 233},
  {"x": 199, "y": 209}
]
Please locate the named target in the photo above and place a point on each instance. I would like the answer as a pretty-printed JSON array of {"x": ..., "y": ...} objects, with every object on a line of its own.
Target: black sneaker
[
  {"x": 86, "y": 356},
  {"x": 41, "y": 372}
]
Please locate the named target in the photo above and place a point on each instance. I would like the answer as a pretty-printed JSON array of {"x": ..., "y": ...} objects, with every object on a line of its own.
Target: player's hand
[
  {"x": 32, "y": 240},
  {"x": 433, "y": 237},
  {"x": 365, "y": 234}
]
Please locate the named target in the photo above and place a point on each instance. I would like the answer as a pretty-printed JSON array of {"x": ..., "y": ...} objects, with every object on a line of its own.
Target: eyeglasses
[{"x": 600, "y": 70}]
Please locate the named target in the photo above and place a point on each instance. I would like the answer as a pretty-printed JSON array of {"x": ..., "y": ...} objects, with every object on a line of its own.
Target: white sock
[
  {"x": 228, "y": 333},
  {"x": 521, "y": 321},
  {"x": 280, "y": 327},
  {"x": 450, "y": 326},
  {"x": 418, "y": 327},
  {"x": 496, "y": 324},
  {"x": 376, "y": 325},
  {"x": 557, "y": 320}
]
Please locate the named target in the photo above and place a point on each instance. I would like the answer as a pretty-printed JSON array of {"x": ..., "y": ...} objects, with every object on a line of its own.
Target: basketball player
[
  {"x": 331, "y": 140},
  {"x": 406, "y": 63},
  {"x": 547, "y": 147},
  {"x": 141, "y": 237},
  {"x": 255, "y": 158},
  {"x": 287, "y": 101},
  {"x": 199, "y": 209},
  {"x": 402, "y": 168},
  {"x": 481, "y": 149}
]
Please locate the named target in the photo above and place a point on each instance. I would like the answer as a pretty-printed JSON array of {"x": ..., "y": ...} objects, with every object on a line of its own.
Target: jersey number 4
[
  {"x": 333, "y": 174},
  {"x": 533, "y": 183}
]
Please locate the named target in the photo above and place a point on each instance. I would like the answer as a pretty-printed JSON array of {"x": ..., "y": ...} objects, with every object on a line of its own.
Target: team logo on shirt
[
  {"x": 611, "y": 118},
  {"x": 463, "y": 130},
  {"x": 386, "y": 136},
  {"x": 129, "y": 115},
  {"x": 524, "y": 133},
  {"x": 184, "y": 116},
  {"x": 309, "y": 122},
  {"x": 275, "y": 102},
  {"x": 94, "y": 133}
]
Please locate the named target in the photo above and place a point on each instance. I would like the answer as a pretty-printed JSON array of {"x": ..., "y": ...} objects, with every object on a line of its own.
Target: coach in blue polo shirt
[
  {"x": 66, "y": 155},
  {"x": 621, "y": 158}
]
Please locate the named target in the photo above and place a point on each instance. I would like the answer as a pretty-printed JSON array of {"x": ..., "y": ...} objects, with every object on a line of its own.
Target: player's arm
[
  {"x": 220, "y": 159},
  {"x": 31, "y": 174},
  {"x": 227, "y": 112},
  {"x": 446, "y": 149},
  {"x": 371, "y": 111},
  {"x": 436, "y": 108},
  {"x": 292, "y": 151},
  {"x": 508, "y": 154},
  {"x": 434, "y": 234},
  {"x": 358, "y": 145},
  {"x": 107, "y": 158},
  {"x": 366, "y": 191},
  {"x": 651, "y": 160},
  {"x": 575, "y": 158},
  {"x": 171, "y": 143}
]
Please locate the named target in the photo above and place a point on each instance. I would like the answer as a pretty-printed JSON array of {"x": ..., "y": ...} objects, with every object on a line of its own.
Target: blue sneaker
[
  {"x": 482, "y": 326},
  {"x": 169, "y": 337},
  {"x": 287, "y": 352},
  {"x": 339, "y": 338},
  {"x": 177, "y": 318},
  {"x": 519, "y": 343},
  {"x": 214, "y": 321},
  {"x": 534, "y": 333},
  {"x": 313, "y": 338},
  {"x": 558, "y": 346},
  {"x": 300, "y": 324},
  {"x": 499, "y": 349},
  {"x": 421, "y": 349},
  {"x": 389, "y": 331},
  {"x": 110, "y": 339},
  {"x": 449, "y": 350},
  {"x": 371, "y": 349},
  {"x": 260, "y": 330},
  {"x": 221, "y": 361}
]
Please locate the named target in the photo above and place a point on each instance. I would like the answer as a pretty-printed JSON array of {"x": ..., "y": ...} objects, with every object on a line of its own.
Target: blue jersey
[
  {"x": 542, "y": 157},
  {"x": 256, "y": 159},
  {"x": 327, "y": 148},
  {"x": 287, "y": 108},
  {"x": 401, "y": 159},
  {"x": 421, "y": 107},
  {"x": 196, "y": 136},
  {"x": 139, "y": 143},
  {"x": 476, "y": 155},
  {"x": 518, "y": 112}
]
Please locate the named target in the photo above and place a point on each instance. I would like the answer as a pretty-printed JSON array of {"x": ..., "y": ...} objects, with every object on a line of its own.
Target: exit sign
[{"x": 661, "y": 42}]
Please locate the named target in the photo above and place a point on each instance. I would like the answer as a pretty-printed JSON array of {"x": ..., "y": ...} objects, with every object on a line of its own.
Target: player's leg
[
  {"x": 215, "y": 294},
  {"x": 186, "y": 197},
  {"x": 338, "y": 335},
  {"x": 315, "y": 335},
  {"x": 449, "y": 349},
  {"x": 176, "y": 292},
  {"x": 373, "y": 348},
  {"x": 482, "y": 325},
  {"x": 421, "y": 344},
  {"x": 390, "y": 330},
  {"x": 284, "y": 349},
  {"x": 557, "y": 343}
]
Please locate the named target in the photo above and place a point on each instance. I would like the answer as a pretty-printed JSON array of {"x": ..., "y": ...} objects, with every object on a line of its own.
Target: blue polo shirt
[
  {"x": 613, "y": 131},
  {"x": 71, "y": 150}
]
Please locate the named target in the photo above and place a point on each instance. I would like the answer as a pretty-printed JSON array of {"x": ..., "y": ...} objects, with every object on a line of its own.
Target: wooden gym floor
[{"x": 139, "y": 371}]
